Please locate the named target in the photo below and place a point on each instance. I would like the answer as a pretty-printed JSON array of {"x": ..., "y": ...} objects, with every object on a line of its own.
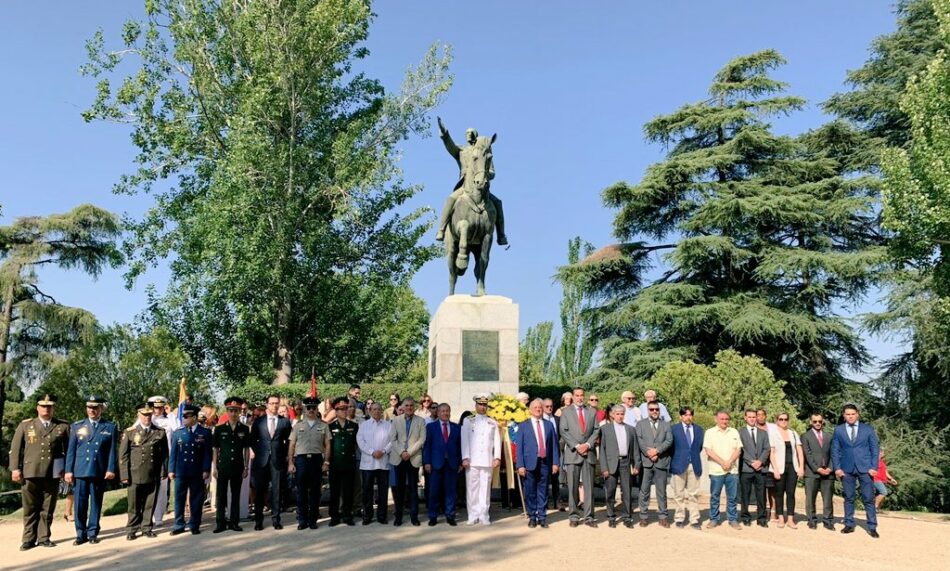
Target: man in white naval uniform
[
  {"x": 162, "y": 419},
  {"x": 481, "y": 453}
]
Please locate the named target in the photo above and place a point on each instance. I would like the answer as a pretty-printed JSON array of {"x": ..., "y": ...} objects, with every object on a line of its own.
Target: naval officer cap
[
  {"x": 482, "y": 398},
  {"x": 158, "y": 401},
  {"x": 189, "y": 410}
]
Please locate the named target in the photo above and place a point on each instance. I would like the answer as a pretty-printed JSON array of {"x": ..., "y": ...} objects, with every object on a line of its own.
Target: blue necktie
[{"x": 408, "y": 427}]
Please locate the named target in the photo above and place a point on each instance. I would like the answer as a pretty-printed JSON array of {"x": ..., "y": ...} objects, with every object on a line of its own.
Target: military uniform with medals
[
  {"x": 343, "y": 463},
  {"x": 91, "y": 460},
  {"x": 143, "y": 464},
  {"x": 189, "y": 461},
  {"x": 38, "y": 454},
  {"x": 231, "y": 444}
]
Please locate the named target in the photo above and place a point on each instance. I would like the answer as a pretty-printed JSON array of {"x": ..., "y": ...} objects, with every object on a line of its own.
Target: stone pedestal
[{"x": 473, "y": 348}]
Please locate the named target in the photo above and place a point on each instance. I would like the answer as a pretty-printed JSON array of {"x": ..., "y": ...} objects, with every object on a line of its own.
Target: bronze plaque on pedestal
[{"x": 480, "y": 356}]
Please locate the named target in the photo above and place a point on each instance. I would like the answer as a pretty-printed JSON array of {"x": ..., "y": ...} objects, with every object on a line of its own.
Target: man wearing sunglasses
[
  {"x": 816, "y": 444},
  {"x": 92, "y": 459},
  {"x": 655, "y": 438}
]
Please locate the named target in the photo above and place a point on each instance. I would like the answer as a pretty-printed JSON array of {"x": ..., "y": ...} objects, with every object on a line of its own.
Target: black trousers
[
  {"x": 377, "y": 480},
  {"x": 341, "y": 492},
  {"x": 142, "y": 504},
  {"x": 750, "y": 482},
  {"x": 785, "y": 492},
  {"x": 39, "y": 503},
  {"x": 825, "y": 485},
  {"x": 274, "y": 477},
  {"x": 228, "y": 482},
  {"x": 309, "y": 477},
  {"x": 407, "y": 478},
  {"x": 621, "y": 477}
]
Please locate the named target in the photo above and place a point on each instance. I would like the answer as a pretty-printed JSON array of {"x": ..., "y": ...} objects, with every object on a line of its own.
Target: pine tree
[{"x": 763, "y": 237}]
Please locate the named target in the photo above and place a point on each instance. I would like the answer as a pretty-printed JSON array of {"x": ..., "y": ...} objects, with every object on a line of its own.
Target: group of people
[{"x": 635, "y": 449}]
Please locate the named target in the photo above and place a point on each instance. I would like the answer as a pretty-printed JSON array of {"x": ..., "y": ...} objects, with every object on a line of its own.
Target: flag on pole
[
  {"x": 182, "y": 397},
  {"x": 313, "y": 384}
]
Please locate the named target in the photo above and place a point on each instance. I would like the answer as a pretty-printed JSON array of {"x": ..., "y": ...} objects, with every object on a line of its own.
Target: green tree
[
  {"x": 575, "y": 350},
  {"x": 766, "y": 238},
  {"x": 273, "y": 163},
  {"x": 536, "y": 354},
  {"x": 32, "y": 323}
]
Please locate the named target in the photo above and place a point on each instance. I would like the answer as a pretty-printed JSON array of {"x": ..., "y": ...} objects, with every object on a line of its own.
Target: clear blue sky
[{"x": 566, "y": 88}]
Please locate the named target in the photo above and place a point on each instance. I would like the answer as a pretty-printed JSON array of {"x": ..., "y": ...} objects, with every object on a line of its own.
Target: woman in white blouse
[{"x": 788, "y": 464}]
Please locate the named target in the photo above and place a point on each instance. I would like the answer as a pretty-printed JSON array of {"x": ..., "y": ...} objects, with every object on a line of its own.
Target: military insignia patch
[
  {"x": 138, "y": 439},
  {"x": 83, "y": 432}
]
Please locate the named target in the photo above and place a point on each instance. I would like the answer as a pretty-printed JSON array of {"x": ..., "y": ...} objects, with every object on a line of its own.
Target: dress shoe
[
  {"x": 93, "y": 540},
  {"x": 383, "y": 521},
  {"x": 300, "y": 526},
  {"x": 590, "y": 523},
  {"x": 762, "y": 523},
  {"x": 80, "y": 541},
  {"x": 258, "y": 526},
  {"x": 830, "y": 526},
  {"x": 278, "y": 526},
  {"x": 235, "y": 527},
  {"x": 543, "y": 524},
  {"x": 27, "y": 546},
  {"x": 664, "y": 523},
  {"x": 532, "y": 523},
  {"x": 451, "y": 521},
  {"x": 397, "y": 522},
  {"x": 415, "y": 521},
  {"x": 629, "y": 524},
  {"x": 681, "y": 524},
  {"x": 195, "y": 532},
  {"x": 734, "y": 525},
  {"x": 150, "y": 533},
  {"x": 575, "y": 523},
  {"x": 367, "y": 521},
  {"x": 873, "y": 533},
  {"x": 334, "y": 522},
  {"x": 220, "y": 529},
  {"x": 748, "y": 523},
  {"x": 131, "y": 536},
  {"x": 612, "y": 523},
  {"x": 349, "y": 521},
  {"x": 847, "y": 529},
  {"x": 177, "y": 531},
  {"x": 432, "y": 522},
  {"x": 696, "y": 526},
  {"x": 812, "y": 525},
  {"x": 314, "y": 525},
  {"x": 644, "y": 523},
  {"x": 48, "y": 543},
  {"x": 713, "y": 525}
]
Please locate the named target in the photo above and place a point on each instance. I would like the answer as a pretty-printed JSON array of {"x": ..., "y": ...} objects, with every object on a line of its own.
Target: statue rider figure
[{"x": 462, "y": 157}]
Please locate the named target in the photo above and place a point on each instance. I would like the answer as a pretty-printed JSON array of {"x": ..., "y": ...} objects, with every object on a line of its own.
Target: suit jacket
[
  {"x": 663, "y": 442},
  {"x": 610, "y": 450},
  {"x": 855, "y": 457},
  {"x": 92, "y": 453},
  {"x": 190, "y": 455},
  {"x": 143, "y": 458},
  {"x": 816, "y": 455},
  {"x": 412, "y": 442},
  {"x": 35, "y": 450},
  {"x": 684, "y": 454},
  {"x": 752, "y": 452},
  {"x": 437, "y": 451},
  {"x": 270, "y": 451},
  {"x": 572, "y": 436},
  {"x": 526, "y": 445}
]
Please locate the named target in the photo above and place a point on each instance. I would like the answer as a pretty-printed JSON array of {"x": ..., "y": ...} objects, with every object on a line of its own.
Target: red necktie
[
  {"x": 821, "y": 439},
  {"x": 445, "y": 432},
  {"x": 541, "y": 451},
  {"x": 580, "y": 417}
]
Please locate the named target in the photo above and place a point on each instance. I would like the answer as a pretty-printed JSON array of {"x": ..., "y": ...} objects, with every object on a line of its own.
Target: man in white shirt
[
  {"x": 481, "y": 453},
  {"x": 170, "y": 423},
  {"x": 374, "y": 444},
  {"x": 648, "y": 397}
]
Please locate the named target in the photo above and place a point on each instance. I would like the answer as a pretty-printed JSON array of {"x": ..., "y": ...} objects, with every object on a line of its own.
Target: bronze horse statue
[{"x": 474, "y": 217}]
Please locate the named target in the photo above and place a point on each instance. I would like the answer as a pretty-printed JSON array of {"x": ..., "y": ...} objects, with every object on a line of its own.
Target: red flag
[{"x": 313, "y": 384}]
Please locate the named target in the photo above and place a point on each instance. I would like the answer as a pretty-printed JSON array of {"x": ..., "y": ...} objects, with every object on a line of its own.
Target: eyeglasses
[
  {"x": 818, "y": 422},
  {"x": 783, "y": 419},
  {"x": 549, "y": 406},
  {"x": 653, "y": 409},
  {"x": 311, "y": 407},
  {"x": 594, "y": 400},
  {"x": 339, "y": 408}
]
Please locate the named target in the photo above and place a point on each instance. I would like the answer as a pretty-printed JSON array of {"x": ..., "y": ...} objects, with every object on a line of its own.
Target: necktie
[
  {"x": 95, "y": 425},
  {"x": 272, "y": 425},
  {"x": 752, "y": 431},
  {"x": 580, "y": 417},
  {"x": 654, "y": 427},
  {"x": 541, "y": 450},
  {"x": 851, "y": 430},
  {"x": 45, "y": 424},
  {"x": 445, "y": 433},
  {"x": 689, "y": 436},
  {"x": 821, "y": 438},
  {"x": 408, "y": 427}
]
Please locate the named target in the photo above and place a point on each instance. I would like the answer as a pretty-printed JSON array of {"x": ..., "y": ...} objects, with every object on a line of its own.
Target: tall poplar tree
[{"x": 764, "y": 239}]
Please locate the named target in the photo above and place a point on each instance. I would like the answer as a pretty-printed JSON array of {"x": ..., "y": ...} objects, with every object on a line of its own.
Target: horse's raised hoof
[{"x": 461, "y": 262}]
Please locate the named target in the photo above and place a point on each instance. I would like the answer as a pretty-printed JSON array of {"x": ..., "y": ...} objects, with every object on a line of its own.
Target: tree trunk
[
  {"x": 6, "y": 320},
  {"x": 284, "y": 371}
]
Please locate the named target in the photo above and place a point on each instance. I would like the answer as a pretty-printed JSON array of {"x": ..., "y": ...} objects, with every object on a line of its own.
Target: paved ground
[{"x": 904, "y": 544}]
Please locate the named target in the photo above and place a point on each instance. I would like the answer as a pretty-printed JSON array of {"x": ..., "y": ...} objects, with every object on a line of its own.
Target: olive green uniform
[
  {"x": 143, "y": 463},
  {"x": 231, "y": 444},
  {"x": 34, "y": 451},
  {"x": 343, "y": 463}
]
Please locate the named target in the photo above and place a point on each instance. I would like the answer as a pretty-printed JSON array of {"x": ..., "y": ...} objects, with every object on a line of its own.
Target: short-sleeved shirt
[
  {"x": 881, "y": 475},
  {"x": 724, "y": 444},
  {"x": 308, "y": 439}
]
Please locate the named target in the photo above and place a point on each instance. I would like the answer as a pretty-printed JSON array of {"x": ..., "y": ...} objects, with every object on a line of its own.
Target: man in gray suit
[
  {"x": 619, "y": 459},
  {"x": 753, "y": 469},
  {"x": 819, "y": 476},
  {"x": 656, "y": 447},
  {"x": 407, "y": 436},
  {"x": 578, "y": 433}
]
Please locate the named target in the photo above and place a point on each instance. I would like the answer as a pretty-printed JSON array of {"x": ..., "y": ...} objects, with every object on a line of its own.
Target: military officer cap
[
  {"x": 47, "y": 400},
  {"x": 189, "y": 409},
  {"x": 146, "y": 409},
  {"x": 202, "y": 415},
  {"x": 481, "y": 398},
  {"x": 95, "y": 400},
  {"x": 310, "y": 401},
  {"x": 158, "y": 400},
  {"x": 233, "y": 402}
]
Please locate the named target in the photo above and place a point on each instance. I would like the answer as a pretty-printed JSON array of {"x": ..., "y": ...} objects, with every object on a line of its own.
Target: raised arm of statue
[{"x": 450, "y": 145}]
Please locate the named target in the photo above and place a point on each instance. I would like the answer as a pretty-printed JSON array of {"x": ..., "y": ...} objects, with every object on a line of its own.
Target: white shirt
[
  {"x": 621, "y": 430},
  {"x": 631, "y": 415},
  {"x": 481, "y": 441},
  {"x": 374, "y": 435}
]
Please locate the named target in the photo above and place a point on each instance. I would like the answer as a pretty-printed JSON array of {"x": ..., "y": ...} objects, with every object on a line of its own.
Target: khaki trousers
[{"x": 686, "y": 495}]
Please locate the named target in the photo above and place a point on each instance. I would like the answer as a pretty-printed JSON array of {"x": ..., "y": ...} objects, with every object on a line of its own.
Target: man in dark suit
[
  {"x": 92, "y": 458},
  {"x": 753, "y": 469},
  {"x": 816, "y": 444},
  {"x": 686, "y": 468},
  {"x": 143, "y": 464},
  {"x": 270, "y": 441},
  {"x": 37, "y": 458},
  {"x": 537, "y": 456},
  {"x": 619, "y": 459},
  {"x": 855, "y": 450},
  {"x": 578, "y": 434},
  {"x": 442, "y": 461},
  {"x": 189, "y": 466},
  {"x": 554, "y": 496},
  {"x": 656, "y": 448}
]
